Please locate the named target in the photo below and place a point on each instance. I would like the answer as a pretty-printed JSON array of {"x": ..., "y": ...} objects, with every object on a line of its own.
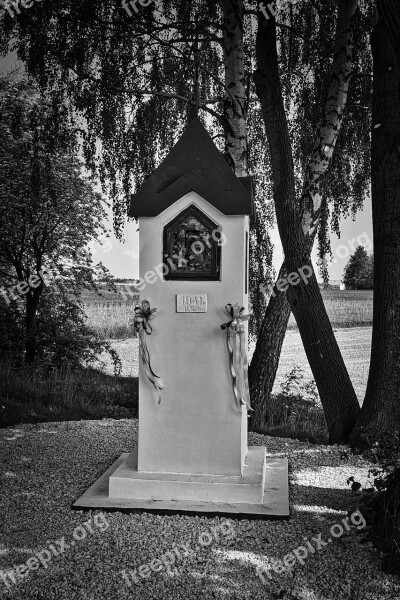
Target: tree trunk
[
  {"x": 32, "y": 301},
  {"x": 380, "y": 415},
  {"x": 235, "y": 97},
  {"x": 327, "y": 365},
  {"x": 298, "y": 228},
  {"x": 236, "y": 154},
  {"x": 265, "y": 361},
  {"x": 264, "y": 364}
]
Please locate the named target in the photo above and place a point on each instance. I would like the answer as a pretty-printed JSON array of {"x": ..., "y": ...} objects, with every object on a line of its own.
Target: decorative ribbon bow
[
  {"x": 238, "y": 362},
  {"x": 141, "y": 325}
]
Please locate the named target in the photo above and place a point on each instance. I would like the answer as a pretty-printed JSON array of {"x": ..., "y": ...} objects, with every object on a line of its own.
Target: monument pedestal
[
  {"x": 128, "y": 482},
  {"x": 262, "y": 492}
]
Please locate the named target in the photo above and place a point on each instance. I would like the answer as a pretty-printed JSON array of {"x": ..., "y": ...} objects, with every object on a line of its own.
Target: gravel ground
[{"x": 45, "y": 468}]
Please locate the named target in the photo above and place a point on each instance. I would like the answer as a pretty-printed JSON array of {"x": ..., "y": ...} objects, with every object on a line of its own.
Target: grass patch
[
  {"x": 34, "y": 395},
  {"x": 296, "y": 418},
  {"x": 296, "y": 411},
  {"x": 111, "y": 313},
  {"x": 111, "y": 320}
]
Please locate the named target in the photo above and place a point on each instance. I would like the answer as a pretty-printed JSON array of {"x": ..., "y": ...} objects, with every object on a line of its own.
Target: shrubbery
[
  {"x": 60, "y": 383},
  {"x": 380, "y": 503},
  {"x": 62, "y": 334},
  {"x": 296, "y": 410}
]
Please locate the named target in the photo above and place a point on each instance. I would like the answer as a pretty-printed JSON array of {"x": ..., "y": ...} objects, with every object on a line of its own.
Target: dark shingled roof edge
[{"x": 194, "y": 164}]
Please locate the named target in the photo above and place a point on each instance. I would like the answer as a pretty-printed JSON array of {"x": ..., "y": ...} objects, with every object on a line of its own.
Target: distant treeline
[{"x": 131, "y": 281}]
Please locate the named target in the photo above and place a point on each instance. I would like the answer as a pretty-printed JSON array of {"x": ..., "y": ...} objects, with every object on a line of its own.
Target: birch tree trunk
[
  {"x": 297, "y": 228},
  {"x": 235, "y": 101},
  {"x": 271, "y": 336},
  {"x": 380, "y": 415}
]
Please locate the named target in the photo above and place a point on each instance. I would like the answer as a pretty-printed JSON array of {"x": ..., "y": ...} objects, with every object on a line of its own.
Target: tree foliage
[
  {"x": 49, "y": 213},
  {"x": 358, "y": 273},
  {"x": 131, "y": 85}
]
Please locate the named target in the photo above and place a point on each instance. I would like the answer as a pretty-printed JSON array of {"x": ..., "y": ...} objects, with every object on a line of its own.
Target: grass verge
[{"x": 34, "y": 395}]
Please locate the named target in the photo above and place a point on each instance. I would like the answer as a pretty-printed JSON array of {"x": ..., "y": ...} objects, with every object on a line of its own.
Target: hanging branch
[{"x": 321, "y": 157}]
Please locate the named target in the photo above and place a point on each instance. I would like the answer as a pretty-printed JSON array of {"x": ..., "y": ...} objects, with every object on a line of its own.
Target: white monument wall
[{"x": 189, "y": 353}]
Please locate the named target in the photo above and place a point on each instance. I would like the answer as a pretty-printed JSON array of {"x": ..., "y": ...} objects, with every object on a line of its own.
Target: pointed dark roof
[{"x": 194, "y": 164}]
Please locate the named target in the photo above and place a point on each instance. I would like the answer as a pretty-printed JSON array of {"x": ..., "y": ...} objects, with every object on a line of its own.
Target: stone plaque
[{"x": 196, "y": 303}]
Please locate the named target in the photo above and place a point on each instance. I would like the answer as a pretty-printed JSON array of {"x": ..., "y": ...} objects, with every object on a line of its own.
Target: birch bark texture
[{"x": 235, "y": 96}]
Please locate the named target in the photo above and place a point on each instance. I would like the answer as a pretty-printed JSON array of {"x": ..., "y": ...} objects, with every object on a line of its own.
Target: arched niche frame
[{"x": 192, "y": 246}]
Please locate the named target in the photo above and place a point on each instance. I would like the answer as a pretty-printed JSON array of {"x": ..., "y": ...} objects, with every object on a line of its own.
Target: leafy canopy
[
  {"x": 131, "y": 83},
  {"x": 49, "y": 213}
]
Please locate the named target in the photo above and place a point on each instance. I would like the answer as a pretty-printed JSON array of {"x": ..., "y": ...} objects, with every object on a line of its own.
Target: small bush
[
  {"x": 380, "y": 503},
  {"x": 297, "y": 411},
  {"x": 63, "y": 336}
]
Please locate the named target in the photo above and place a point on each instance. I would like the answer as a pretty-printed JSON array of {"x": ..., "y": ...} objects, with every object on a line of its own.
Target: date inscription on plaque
[{"x": 196, "y": 303}]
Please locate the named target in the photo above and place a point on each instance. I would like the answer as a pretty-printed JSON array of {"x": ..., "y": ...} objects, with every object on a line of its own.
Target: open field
[
  {"x": 110, "y": 313},
  {"x": 355, "y": 344},
  {"x": 350, "y": 313},
  {"x": 346, "y": 308},
  {"x": 38, "y": 397}
]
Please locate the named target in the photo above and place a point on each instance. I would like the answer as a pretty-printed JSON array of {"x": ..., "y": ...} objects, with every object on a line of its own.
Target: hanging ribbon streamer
[
  {"x": 238, "y": 360},
  {"x": 141, "y": 325}
]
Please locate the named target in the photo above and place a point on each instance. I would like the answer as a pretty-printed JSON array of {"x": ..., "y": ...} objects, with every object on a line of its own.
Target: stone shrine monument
[{"x": 192, "y": 454}]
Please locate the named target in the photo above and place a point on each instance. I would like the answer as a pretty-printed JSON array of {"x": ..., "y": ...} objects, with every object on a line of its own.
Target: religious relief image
[{"x": 190, "y": 245}]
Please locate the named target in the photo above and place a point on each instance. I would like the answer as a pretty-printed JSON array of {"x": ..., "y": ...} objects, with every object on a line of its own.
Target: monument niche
[{"x": 192, "y": 454}]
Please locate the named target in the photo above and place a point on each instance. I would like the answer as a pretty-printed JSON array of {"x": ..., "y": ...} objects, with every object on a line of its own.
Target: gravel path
[{"x": 46, "y": 467}]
